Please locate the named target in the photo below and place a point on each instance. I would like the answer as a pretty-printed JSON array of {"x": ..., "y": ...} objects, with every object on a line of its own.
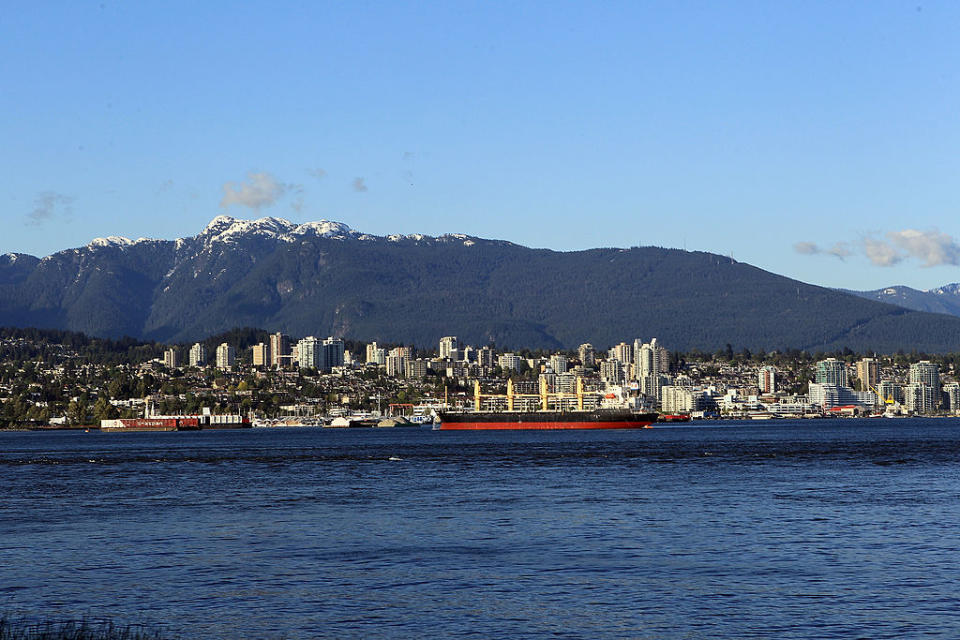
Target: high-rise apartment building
[
  {"x": 171, "y": 358},
  {"x": 198, "y": 355},
  {"x": 559, "y": 363},
  {"x": 308, "y": 353},
  {"x": 509, "y": 361},
  {"x": 226, "y": 356},
  {"x": 333, "y": 349},
  {"x": 588, "y": 357},
  {"x": 868, "y": 373},
  {"x": 449, "y": 345},
  {"x": 832, "y": 371},
  {"x": 927, "y": 374},
  {"x": 767, "y": 379},
  {"x": 622, "y": 352},
  {"x": 279, "y": 349},
  {"x": 261, "y": 355}
]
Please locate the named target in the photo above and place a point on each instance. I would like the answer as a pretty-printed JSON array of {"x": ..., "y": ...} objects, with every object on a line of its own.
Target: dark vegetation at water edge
[{"x": 75, "y": 630}]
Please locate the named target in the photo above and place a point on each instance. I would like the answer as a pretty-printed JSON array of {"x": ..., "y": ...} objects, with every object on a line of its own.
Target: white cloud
[
  {"x": 933, "y": 247},
  {"x": 806, "y": 248},
  {"x": 259, "y": 190},
  {"x": 880, "y": 253}
]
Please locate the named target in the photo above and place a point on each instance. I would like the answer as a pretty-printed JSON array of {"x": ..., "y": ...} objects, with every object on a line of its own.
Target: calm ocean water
[{"x": 826, "y": 529}]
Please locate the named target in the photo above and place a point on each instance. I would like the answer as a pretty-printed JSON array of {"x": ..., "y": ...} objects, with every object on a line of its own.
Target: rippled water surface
[{"x": 827, "y": 529}]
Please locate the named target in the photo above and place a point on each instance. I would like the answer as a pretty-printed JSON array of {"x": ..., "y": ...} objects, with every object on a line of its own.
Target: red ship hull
[{"x": 545, "y": 421}]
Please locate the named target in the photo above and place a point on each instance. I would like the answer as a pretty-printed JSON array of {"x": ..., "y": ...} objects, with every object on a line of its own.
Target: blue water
[{"x": 825, "y": 529}]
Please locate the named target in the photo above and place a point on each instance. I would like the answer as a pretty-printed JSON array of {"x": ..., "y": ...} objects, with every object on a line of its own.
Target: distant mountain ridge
[
  {"x": 324, "y": 278},
  {"x": 945, "y": 299}
]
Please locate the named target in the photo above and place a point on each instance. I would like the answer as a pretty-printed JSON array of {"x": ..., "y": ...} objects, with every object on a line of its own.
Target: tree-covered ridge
[{"x": 416, "y": 290}]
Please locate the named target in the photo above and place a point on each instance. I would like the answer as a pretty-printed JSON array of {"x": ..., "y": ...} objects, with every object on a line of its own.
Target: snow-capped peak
[{"x": 110, "y": 241}]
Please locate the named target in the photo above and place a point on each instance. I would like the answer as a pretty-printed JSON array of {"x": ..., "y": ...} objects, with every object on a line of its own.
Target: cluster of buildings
[
  {"x": 279, "y": 353},
  {"x": 639, "y": 371}
]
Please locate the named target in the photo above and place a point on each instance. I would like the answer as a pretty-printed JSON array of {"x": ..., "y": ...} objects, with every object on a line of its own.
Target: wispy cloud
[
  {"x": 933, "y": 248},
  {"x": 49, "y": 206},
  {"x": 359, "y": 185},
  {"x": 258, "y": 191},
  {"x": 317, "y": 173},
  {"x": 840, "y": 250}
]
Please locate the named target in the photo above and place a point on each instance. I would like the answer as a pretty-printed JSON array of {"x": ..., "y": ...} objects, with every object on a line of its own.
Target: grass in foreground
[{"x": 73, "y": 630}]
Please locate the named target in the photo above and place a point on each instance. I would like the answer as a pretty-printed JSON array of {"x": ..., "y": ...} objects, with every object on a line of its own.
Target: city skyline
[{"x": 813, "y": 142}]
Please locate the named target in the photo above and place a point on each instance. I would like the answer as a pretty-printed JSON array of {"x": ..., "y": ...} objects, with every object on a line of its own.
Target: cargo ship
[{"x": 597, "y": 419}]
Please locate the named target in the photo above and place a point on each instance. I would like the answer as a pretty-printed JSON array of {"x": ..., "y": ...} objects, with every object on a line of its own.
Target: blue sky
[{"x": 815, "y": 140}]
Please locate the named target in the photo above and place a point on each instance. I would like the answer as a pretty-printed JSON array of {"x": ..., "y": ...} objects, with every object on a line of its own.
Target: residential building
[
  {"x": 308, "y": 353},
  {"x": 920, "y": 398},
  {"x": 396, "y": 365},
  {"x": 333, "y": 350},
  {"x": 767, "y": 379},
  {"x": 951, "y": 397},
  {"x": 279, "y": 350},
  {"x": 509, "y": 361},
  {"x": 417, "y": 368},
  {"x": 226, "y": 356},
  {"x": 171, "y": 358},
  {"x": 832, "y": 372},
  {"x": 449, "y": 348},
  {"x": 261, "y": 355},
  {"x": 868, "y": 373},
  {"x": 198, "y": 355},
  {"x": 926, "y": 373},
  {"x": 559, "y": 363},
  {"x": 587, "y": 355}
]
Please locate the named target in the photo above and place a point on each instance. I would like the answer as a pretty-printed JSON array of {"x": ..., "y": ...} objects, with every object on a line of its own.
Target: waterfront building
[
  {"x": 832, "y": 372},
  {"x": 828, "y": 396},
  {"x": 279, "y": 349},
  {"x": 449, "y": 345},
  {"x": 767, "y": 379},
  {"x": 198, "y": 355},
  {"x": 171, "y": 358},
  {"x": 868, "y": 373},
  {"x": 587, "y": 355},
  {"x": 890, "y": 392},
  {"x": 682, "y": 399},
  {"x": 920, "y": 398},
  {"x": 261, "y": 355},
  {"x": 226, "y": 356},
  {"x": 951, "y": 396},
  {"x": 926, "y": 373}
]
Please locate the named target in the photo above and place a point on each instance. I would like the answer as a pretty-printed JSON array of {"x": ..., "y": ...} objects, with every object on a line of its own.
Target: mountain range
[
  {"x": 945, "y": 299},
  {"x": 324, "y": 278}
]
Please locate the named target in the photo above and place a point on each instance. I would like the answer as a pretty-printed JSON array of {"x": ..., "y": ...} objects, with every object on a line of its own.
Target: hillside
[{"x": 327, "y": 279}]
